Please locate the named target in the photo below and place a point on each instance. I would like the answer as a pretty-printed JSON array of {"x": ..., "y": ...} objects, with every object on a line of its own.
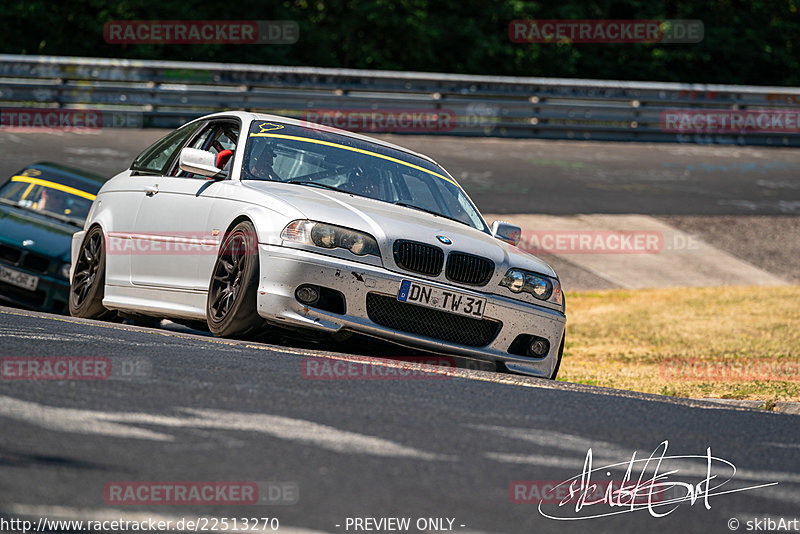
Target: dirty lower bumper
[{"x": 283, "y": 269}]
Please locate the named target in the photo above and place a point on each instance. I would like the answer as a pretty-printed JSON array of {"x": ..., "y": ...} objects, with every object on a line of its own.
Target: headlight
[
  {"x": 514, "y": 280},
  {"x": 330, "y": 237},
  {"x": 541, "y": 287},
  {"x": 64, "y": 271},
  {"x": 323, "y": 236}
]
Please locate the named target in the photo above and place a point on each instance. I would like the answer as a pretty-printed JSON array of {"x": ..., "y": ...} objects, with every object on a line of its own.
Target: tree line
[{"x": 744, "y": 42}]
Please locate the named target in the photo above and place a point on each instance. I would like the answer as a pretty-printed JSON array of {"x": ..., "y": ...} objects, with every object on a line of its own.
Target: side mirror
[
  {"x": 199, "y": 162},
  {"x": 506, "y": 232}
]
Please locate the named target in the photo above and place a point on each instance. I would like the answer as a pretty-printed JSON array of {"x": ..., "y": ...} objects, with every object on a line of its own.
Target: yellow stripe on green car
[{"x": 53, "y": 185}]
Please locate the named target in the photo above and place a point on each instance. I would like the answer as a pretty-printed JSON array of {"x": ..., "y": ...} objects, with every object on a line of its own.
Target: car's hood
[
  {"x": 50, "y": 237},
  {"x": 387, "y": 223}
]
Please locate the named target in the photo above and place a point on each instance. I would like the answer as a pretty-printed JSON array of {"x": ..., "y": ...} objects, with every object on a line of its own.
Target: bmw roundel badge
[{"x": 444, "y": 240}]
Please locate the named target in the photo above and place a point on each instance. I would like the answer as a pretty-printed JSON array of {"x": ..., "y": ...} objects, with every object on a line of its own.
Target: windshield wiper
[{"x": 435, "y": 213}]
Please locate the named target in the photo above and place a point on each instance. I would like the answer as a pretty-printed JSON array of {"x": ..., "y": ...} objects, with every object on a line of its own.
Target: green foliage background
[{"x": 745, "y": 42}]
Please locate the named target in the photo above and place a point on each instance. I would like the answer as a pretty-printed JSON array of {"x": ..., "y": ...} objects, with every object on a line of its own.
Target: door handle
[{"x": 150, "y": 190}]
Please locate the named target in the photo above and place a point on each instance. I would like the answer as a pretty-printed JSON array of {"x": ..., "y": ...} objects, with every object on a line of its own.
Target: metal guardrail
[{"x": 165, "y": 94}]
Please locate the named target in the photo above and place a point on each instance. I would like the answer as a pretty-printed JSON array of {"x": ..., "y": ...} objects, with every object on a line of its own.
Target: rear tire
[
  {"x": 88, "y": 281},
  {"x": 231, "y": 308}
]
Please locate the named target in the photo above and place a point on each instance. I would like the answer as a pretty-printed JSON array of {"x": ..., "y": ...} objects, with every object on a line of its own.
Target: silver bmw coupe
[{"x": 248, "y": 222}]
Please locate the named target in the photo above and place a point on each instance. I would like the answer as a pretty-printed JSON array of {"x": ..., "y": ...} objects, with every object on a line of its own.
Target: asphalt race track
[
  {"x": 185, "y": 407},
  {"x": 216, "y": 410}
]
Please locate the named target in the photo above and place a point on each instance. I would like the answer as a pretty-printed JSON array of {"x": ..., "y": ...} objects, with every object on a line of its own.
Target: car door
[
  {"x": 124, "y": 198},
  {"x": 174, "y": 239}
]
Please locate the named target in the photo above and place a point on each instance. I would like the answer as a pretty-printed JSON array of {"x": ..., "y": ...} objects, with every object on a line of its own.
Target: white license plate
[
  {"x": 441, "y": 299},
  {"x": 16, "y": 278}
]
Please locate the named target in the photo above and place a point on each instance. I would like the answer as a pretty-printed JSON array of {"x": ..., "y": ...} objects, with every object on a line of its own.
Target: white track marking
[
  {"x": 73, "y": 420},
  {"x": 605, "y": 453},
  {"x": 306, "y": 432},
  {"x": 684, "y": 260},
  {"x": 117, "y": 424},
  {"x": 573, "y": 466},
  {"x": 556, "y": 440}
]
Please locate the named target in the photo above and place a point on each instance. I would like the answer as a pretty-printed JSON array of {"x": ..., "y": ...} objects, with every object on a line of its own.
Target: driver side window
[
  {"x": 217, "y": 137},
  {"x": 158, "y": 157}
]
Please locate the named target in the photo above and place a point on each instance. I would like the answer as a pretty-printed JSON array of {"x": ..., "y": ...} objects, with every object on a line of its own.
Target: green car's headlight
[
  {"x": 540, "y": 286},
  {"x": 329, "y": 236}
]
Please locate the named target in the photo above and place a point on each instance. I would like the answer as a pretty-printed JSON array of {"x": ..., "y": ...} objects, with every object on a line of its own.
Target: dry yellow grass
[{"x": 722, "y": 342}]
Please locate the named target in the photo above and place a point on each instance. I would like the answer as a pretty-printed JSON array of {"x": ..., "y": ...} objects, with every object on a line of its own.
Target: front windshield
[
  {"x": 292, "y": 154},
  {"x": 31, "y": 191}
]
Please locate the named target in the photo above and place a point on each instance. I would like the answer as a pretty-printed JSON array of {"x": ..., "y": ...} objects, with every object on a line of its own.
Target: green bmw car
[{"x": 40, "y": 208}]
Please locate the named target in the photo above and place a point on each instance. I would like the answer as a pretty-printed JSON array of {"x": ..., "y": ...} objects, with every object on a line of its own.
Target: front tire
[
  {"x": 231, "y": 308},
  {"x": 88, "y": 282},
  {"x": 560, "y": 354}
]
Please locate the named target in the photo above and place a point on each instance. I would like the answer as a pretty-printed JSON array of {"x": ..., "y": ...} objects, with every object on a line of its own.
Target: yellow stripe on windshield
[
  {"x": 53, "y": 185},
  {"x": 360, "y": 151}
]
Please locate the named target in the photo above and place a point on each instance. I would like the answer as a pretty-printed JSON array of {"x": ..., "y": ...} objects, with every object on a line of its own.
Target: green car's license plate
[{"x": 16, "y": 278}]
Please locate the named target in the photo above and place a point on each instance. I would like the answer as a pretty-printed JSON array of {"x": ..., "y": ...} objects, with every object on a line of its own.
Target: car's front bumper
[
  {"x": 51, "y": 294},
  {"x": 283, "y": 269}
]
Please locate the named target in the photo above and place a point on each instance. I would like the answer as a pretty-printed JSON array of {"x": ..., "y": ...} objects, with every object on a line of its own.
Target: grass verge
[{"x": 721, "y": 342}]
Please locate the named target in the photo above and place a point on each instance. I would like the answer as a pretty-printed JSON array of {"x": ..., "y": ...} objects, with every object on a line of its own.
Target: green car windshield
[
  {"x": 31, "y": 190},
  {"x": 317, "y": 158}
]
